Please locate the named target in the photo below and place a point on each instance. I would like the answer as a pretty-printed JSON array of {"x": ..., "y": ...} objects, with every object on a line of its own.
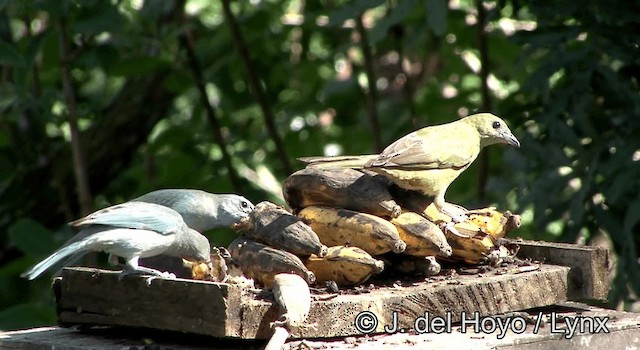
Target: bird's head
[
  {"x": 233, "y": 209},
  {"x": 492, "y": 129}
]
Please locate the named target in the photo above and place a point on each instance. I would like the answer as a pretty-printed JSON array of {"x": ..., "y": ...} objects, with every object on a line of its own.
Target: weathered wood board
[
  {"x": 588, "y": 278},
  {"x": 90, "y": 296}
]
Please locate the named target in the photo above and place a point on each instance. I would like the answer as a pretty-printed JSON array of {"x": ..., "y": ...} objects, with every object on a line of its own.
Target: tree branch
[
  {"x": 483, "y": 169},
  {"x": 47, "y": 150},
  {"x": 256, "y": 86},
  {"x": 186, "y": 40},
  {"x": 407, "y": 85},
  {"x": 372, "y": 96},
  {"x": 79, "y": 165}
]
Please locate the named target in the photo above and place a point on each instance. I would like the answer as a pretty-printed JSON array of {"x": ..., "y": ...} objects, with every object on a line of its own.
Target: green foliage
[
  {"x": 30, "y": 238},
  {"x": 564, "y": 74},
  {"x": 581, "y": 109}
]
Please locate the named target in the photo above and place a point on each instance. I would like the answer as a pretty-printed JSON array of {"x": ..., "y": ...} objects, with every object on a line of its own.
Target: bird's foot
[
  {"x": 151, "y": 274},
  {"x": 451, "y": 228},
  {"x": 165, "y": 274},
  {"x": 113, "y": 260},
  {"x": 459, "y": 217},
  {"x": 283, "y": 321}
]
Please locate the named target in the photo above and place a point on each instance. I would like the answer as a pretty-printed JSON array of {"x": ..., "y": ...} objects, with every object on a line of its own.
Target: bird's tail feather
[
  {"x": 60, "y": 257},
  {"x": 354, "y": 162}
]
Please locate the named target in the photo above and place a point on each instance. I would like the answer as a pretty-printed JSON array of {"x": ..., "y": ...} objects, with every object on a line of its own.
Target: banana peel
[
  {"x": 340, "y": 188},
  {"x": 483, "y": 228},
  {"x": 347, "y": 266},
  {"x": 276, "y": 227},
  {"x": 423, "y": 237},
  {"x": 336, "y": 226},
  {"x": 262, "y": 263}
]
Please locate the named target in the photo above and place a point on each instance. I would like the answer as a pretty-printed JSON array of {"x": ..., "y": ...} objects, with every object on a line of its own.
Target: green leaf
[
  {"x": 7, "y": 95},
  {"x": 31, "y": 238},
  {"x": 27, "y": 315},
  {"x": 34, "y": 46},
  {"x": 632, "y": 216},
  {"x": 104, "y": 20},
  {"x": 395, "y": 16},
  {"x": 10, "y": 55},
  {"x": 137, "y": 66},
  {"x": 437, "y": 16},
  {"x": 343, "y": 13}
]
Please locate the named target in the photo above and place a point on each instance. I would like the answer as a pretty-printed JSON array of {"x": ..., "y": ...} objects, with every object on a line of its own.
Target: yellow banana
[
  {"x": 336, "y": 226},
  {"x": 273, "y": 225},
  {"x": 262, "y": 262},
  {"x": 423, "y": 238},
  {"x": 215, "y": 270},
  {"x": 436, "y": 216},
  {"x": 482, "y": 226},
  {"x": 494, "y": 222},
  {"x": 347, "y": 266},
  {"x": 473, "y": 249},
  {"x": 341, "y": 188}
]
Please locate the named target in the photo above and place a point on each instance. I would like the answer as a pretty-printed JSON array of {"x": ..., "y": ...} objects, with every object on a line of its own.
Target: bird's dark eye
[
  {"x": 244, "y": 204},
  {"x": 496, "y": 125}
]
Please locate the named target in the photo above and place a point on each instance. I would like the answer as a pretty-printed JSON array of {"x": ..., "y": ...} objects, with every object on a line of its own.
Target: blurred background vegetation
[{"x": 101, "y": 101}]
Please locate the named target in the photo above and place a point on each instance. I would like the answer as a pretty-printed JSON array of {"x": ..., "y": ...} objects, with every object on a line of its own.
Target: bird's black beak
[{"x": 510, "y": 139}]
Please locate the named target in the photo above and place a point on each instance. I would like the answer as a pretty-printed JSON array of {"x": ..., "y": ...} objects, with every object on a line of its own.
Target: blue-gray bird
[
  {"x": 130, "y": 230},
  {"x": 202, "y": 211}
]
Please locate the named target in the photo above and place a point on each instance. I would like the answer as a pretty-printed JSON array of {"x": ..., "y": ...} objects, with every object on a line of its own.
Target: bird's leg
[
  {"x": 456, "y": 215},
  {"x": 113, "y": 260},
  {"x": 132, "y": 268}
]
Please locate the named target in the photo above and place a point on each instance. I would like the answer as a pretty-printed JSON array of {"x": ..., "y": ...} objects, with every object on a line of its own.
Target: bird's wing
[
  {"x": 136, "y": 215},
  {"x": 427, "y": 151}
]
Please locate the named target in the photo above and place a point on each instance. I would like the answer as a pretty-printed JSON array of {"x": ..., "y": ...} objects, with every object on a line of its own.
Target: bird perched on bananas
[{"x": 428, "y": 160}]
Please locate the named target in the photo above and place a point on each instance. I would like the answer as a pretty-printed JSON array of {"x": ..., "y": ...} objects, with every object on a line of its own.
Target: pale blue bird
[{"x": 130, "y": 230}]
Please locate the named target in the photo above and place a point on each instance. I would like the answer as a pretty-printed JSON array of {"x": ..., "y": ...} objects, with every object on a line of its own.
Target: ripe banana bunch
[
  {"x": 347, "y": 220},
  {"x": 336, "y": 226},
  {"x": 347, "y": 266},
  {"x": 482, "y": 228}
]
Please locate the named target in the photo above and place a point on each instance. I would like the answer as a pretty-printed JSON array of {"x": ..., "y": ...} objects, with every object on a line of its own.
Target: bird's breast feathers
[{"x": 430, "y": 182}]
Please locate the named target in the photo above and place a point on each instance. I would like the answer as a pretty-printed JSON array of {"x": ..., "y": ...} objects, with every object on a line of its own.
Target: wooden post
[{"x": 588, "y": 278}]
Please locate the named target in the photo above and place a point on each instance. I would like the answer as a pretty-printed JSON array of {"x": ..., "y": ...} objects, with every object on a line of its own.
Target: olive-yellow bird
[{"x": 429, "y": 159}]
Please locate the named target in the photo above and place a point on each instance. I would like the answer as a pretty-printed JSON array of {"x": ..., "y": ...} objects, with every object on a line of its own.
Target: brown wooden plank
[
  {"x": 91, "y": 296},
  {"x": 88, "y": 296},
  {"x": 623, "y": 331},
  {"x": 588, "y": 278}
]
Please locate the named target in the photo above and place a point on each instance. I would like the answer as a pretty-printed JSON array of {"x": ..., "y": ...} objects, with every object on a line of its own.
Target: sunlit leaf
[
  {"x": 10, "y": 55},
  {"x": 437, "y": 15},
  {"x": 31, "y": 238}
]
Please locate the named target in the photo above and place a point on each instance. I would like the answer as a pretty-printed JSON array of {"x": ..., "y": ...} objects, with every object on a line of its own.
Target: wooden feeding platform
[{"x": 89, "y": 297}]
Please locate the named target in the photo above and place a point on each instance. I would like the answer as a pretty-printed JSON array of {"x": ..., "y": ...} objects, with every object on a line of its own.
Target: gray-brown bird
[{"x": 428, "y": 160}]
